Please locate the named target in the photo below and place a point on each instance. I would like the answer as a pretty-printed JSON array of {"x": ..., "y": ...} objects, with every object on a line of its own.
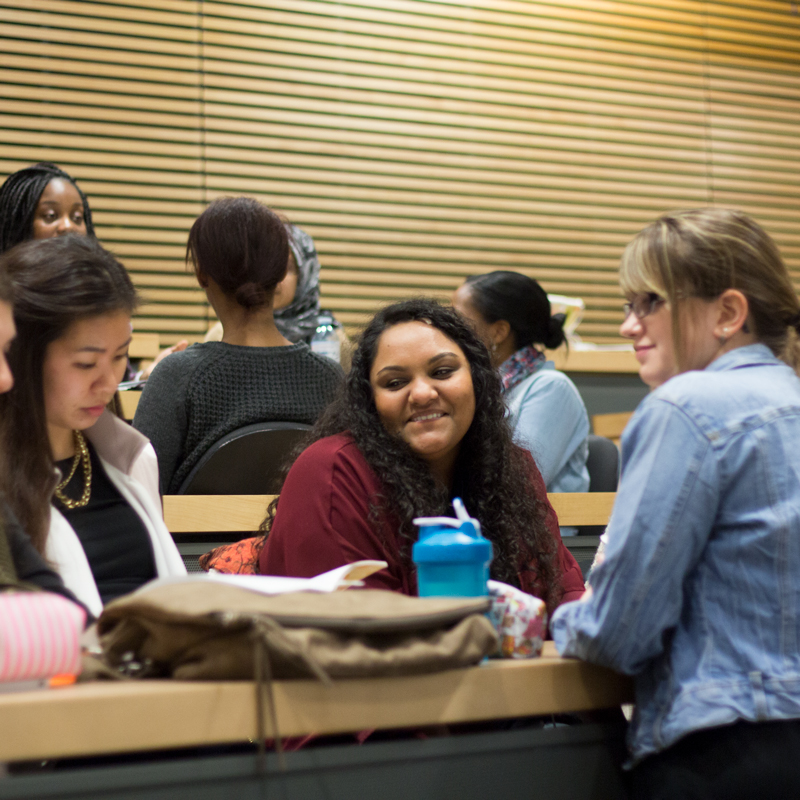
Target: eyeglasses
[{"x": 643, "y": 305}]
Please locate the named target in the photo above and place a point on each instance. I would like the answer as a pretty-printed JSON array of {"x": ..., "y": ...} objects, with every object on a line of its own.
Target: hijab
[{"x": 298, "y": 321}]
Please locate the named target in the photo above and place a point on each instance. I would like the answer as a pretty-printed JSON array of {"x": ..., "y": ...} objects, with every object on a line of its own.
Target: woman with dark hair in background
[
  {"x": 295, "y": 304},
  {"x": 420, "y": 422},
  {"x": 99, "y": 522},
  {"x": 511, "y": 313},
  {"x": 41, "y": 201},
  {"x": 239, "y": 250}
]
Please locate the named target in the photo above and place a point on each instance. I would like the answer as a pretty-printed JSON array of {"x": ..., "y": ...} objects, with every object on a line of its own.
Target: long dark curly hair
[{"x": 492, "y": 474}]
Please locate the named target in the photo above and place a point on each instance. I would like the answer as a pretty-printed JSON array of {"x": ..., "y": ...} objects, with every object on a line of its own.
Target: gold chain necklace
[{"x": 81, "y": 454}]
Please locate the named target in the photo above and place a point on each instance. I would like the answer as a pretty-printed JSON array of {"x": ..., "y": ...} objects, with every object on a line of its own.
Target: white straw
[{"x": 461, "y": 512}]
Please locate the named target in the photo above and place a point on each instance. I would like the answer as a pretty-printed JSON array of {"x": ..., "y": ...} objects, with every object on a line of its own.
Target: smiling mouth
[{"x": 427, "y": 417}]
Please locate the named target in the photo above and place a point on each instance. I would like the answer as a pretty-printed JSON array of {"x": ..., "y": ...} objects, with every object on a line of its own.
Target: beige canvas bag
[
  {"x": 214, "y": 631},
  {"x": 203, "y": 630}
]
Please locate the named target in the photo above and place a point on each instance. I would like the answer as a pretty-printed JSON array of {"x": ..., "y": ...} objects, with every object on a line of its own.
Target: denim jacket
[{"x": 699, "y": 595}]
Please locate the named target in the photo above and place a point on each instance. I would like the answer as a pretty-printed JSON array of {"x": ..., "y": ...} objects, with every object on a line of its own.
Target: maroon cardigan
[{"x": 323, "y": 521}]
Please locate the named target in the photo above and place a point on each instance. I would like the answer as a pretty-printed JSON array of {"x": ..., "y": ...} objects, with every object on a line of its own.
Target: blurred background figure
[
  {"x": 239, "y": 249},
  {"x": 511, "y": 313},
  {"x": 295, "y": 306},
  {"x": 41, "y": 201}
]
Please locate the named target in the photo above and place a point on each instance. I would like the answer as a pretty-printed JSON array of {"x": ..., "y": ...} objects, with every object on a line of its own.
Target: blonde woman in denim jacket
[{"x": 698, "y": 596}]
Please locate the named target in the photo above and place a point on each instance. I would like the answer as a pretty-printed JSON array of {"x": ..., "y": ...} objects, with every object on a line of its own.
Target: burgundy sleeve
[
  {"x": 323, "y": 518},
  {"x": 571, "y": 577}
]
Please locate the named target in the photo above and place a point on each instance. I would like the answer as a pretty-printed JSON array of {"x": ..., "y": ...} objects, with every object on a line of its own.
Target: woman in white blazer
[{"x": 82, "y": 482}]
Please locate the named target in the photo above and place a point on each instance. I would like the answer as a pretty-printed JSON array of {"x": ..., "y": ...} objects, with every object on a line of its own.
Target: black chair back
[
  {"x": 603, "y": 464},
  {"x": 603, "y": 467},
  {"x": 248, "y": 460}
]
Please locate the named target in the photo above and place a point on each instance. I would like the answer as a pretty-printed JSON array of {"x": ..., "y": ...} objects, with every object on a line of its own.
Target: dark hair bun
[
  {"x": 242, "y": 246},
  {"x": 520, "y": 301},
  {"x": 251, "y": 295},
  {"x": 555, "y": 332}
]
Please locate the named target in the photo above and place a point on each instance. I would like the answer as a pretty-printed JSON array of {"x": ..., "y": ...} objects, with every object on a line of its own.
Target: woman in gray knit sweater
[{"x": 239, "y": 250}]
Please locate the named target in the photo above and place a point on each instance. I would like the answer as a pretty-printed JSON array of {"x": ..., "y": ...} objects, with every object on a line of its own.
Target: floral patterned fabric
[
  {"x": 239, "y": 558},
  {"x": 518, "y": 366}
]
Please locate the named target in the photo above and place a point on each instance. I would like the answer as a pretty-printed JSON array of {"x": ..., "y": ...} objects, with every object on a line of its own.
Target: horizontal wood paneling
[
  {"x": 418, "y": 141},
  {"x": 111, "y": 92}
]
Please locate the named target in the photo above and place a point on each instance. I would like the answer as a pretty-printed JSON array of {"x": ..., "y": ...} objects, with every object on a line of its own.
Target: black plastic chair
[
  {"x": 603, "y": 464},
  {"x": 248, "y": 460},
  {"x": 603, "y": 467}
]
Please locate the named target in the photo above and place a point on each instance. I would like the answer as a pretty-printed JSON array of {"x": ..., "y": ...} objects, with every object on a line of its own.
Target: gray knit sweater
[{"x": 195, "y": 397}]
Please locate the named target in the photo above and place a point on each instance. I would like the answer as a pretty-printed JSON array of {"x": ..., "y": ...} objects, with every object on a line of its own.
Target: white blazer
[{"x": 131, "y": 465}]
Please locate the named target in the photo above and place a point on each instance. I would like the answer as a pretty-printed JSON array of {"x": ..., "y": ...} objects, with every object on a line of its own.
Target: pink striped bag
[{"x": 39, "y": 636}]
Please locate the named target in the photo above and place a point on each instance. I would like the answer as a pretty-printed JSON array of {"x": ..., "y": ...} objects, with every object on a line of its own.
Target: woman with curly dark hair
[{"x": 420, "y": 421}]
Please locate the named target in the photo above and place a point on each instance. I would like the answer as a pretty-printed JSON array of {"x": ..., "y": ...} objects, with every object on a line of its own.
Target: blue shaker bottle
[{"x": 451, "y": 556}]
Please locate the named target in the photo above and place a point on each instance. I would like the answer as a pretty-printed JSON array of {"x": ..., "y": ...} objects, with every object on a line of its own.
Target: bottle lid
[{"x": 444, "y": 539}]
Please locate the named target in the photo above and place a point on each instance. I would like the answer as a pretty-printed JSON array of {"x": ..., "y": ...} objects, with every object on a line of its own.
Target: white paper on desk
[{"x": 334, "y": 580}]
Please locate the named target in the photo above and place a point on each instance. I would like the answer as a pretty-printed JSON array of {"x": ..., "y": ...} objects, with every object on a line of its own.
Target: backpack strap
[
  {"x": 8, "y": 573},
  {"x": 9, "y": 579}
]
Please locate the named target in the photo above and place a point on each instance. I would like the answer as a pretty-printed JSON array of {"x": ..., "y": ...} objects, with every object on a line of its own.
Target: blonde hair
[{"x": 703, "y": 253}]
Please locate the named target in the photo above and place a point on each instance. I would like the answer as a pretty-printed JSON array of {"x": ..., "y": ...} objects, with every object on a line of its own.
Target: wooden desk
[
  {"x": 130, "y": 400},
  {"x": 209, "y": 513},
  {"x": 194, "y": 519},
  {"x": 150, "y": 715},
  {"x": 576, "y": 762},
  {"x": 597, "y": 361},
  {"x": 144, "y": 345}
]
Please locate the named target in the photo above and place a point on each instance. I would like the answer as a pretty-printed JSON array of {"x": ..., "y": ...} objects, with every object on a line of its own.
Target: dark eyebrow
[
  {"x": 90, "y": 349},
  {"x": 76, "y": 204},
  {"x": 433, "y": 360}
]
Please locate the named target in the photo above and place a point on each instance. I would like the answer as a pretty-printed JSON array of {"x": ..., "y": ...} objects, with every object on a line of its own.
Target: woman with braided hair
[
  {"x": 420, "y": 422},
  {"x": 698, "y": 596},
  {"x": 41, "y": 201}
]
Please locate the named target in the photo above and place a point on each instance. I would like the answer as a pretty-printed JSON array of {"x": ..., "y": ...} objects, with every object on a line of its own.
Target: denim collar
[{"x": 748, "y": 356}]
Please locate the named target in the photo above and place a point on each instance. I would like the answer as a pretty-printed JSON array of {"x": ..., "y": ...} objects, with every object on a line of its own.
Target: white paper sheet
[{"x": 331, "y": 581}]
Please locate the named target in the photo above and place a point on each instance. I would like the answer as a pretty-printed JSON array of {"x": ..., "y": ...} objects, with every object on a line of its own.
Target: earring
[{"x": 724, "y": 338}]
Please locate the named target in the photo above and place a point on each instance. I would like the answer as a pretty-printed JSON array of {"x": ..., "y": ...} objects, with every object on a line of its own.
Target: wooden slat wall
[
  {"x": 112, "y": 93},
  {"x": 417, "y": 141}
]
